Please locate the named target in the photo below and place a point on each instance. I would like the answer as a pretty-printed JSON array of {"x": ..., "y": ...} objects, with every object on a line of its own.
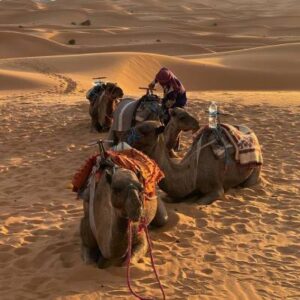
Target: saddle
[
  {"x": 247, "y": 151},
  {"x": 145, "y": 105},
  {"x": 130, "y": 159}
]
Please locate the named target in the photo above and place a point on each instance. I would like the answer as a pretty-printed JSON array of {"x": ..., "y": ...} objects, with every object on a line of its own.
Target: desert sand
[{"x": 243, "y": 54}]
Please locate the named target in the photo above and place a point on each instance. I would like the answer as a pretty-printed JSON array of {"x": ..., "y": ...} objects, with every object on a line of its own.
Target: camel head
[
  {"x": 180, "y": 120},
  {"x": 126, "y": 193},
  {"x": 105, "y": 105},
  {"x": 113, "y": 91},
  {"x": 147, "y": 135}
]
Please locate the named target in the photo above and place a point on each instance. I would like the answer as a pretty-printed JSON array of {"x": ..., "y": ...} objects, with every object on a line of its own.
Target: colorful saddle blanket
[
  {"x": 245, "y": 142},
  {"x": 130, "y": 159},
  {"x": 243, "y": 139}
]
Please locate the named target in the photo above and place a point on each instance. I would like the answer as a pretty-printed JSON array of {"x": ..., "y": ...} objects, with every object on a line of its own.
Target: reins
[{"x": 142, "y": 226}]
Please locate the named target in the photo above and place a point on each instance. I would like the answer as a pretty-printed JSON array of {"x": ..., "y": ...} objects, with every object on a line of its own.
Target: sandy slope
[
  {"x": 202, "y": 26},
  {"x": 244, "y": 54},
  {"x": 264, "y": 68}
]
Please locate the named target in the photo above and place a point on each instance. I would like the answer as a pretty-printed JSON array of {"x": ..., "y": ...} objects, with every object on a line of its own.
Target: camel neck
[
  {"x": 119, "y": 242},
  {"x": 177, "y": 182}
]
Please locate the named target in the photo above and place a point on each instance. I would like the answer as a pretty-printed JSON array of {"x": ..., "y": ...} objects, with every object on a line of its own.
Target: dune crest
[{"x": 262, "y": 68}]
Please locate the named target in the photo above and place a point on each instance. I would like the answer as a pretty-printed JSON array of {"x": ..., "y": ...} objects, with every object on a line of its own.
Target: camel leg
[
  {"x": 253, "y": 178},
  {"x": 211, "y": 196},
  {"x": 89, "y": 248},
  {"x": 161, "y": 217},
  {"x": 103, "y": 262},
  {"x": 93, "y": 126},
  {"x": 139, "y": 248}
]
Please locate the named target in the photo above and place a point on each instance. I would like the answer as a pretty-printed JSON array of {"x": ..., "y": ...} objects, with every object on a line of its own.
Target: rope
[
  {"x": 152, "y": 260},
  {"x": 129, "y": 250}
]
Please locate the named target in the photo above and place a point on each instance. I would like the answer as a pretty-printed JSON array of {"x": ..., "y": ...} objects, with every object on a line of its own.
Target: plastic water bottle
[{"x": 213, "y": 115}]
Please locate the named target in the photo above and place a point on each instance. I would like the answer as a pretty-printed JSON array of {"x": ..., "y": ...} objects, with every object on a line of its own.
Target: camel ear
[
  {"x": 159, "y": 130},
  {"x": 108, "y": 176}
]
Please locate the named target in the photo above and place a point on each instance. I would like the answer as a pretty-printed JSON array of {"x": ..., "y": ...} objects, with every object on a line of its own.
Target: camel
[
  {"x": 131, "y": 112},
  {"x": 102, "y": 106},
  {"x": 118, "y": 198},
  {"x": 200, "y": 172}
]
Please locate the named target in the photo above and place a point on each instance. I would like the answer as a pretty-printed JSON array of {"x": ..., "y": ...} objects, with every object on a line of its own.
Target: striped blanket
[{"x": 245, "y": 142}]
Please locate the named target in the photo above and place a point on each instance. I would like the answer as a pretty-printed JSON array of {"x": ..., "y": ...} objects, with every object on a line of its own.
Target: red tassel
[{"x": 83, "y": 173}]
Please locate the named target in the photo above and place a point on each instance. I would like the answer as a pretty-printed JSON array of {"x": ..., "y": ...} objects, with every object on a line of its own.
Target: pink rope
[{"x": 142, "y": 226}]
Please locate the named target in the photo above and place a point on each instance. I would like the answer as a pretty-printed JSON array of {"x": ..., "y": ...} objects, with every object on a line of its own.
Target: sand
[{"x": 243, "y": 54}]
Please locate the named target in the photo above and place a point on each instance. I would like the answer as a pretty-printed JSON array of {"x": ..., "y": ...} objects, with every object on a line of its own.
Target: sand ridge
[{"x": 262, "y": 68}]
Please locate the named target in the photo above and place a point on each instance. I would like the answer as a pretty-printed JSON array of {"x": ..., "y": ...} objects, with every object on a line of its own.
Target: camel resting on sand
[
  {"x": 103, "y": 105},
  {"x": 200, "y": 172},
  {"x": 118, "y": 198}
]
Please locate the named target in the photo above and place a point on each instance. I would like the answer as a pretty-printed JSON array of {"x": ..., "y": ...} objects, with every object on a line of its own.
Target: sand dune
[
  {"x": 243, "y": 54},
  {"x": 15, "y": 44},
  {"x": 211, "y": 25},
  {"x": 18, "y": 80},
  {"x": 269, "y": 58},
  {"x": 262, "y": 68}
]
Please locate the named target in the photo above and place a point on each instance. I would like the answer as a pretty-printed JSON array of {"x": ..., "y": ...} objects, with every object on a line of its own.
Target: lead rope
[{"x": 142, "y": 226}]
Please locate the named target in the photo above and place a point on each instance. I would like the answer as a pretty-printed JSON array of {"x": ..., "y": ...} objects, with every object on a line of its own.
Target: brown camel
[
  {"x": 102, "y": 108},
  {"x": 104, "y": 227},
  {"x": 200, "y": 172}
]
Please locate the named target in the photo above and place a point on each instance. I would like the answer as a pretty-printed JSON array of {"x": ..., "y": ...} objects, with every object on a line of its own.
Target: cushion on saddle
[{"x": 130, "y": 159}]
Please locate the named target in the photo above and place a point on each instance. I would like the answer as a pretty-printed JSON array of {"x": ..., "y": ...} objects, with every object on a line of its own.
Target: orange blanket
[
  {"x": 130, "y": 159},
  {"x": 81, "y": 176},
  {"x": 137, "y": 161}
]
